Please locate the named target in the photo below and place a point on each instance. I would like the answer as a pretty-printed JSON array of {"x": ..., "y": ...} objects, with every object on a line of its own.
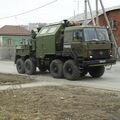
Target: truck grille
[{"x": 100, "y": 54}]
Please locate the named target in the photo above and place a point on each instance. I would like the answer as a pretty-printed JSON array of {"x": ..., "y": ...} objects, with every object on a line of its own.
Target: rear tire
[
  {"x": 96, "y": 72},
  {"x": 30, "y": 67},
  {"x": 20, "y": 66},
  {"x": 56, "y": 68},
  {"x": 71, "y": 70}
]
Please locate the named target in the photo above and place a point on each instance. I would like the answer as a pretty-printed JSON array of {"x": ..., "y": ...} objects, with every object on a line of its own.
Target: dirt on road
[
  {"x": 59, "y": 103},
  {"x": 10, "y": 79}
]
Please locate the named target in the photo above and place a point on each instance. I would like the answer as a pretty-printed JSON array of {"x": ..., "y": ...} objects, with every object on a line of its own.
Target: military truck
[{"x": 66, "y": 51}]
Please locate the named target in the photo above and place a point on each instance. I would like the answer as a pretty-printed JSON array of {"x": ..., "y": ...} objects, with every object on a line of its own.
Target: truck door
[{"x": 39, "y": 47}]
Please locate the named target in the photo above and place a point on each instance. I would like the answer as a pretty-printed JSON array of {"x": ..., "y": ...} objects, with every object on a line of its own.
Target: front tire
[
  {"x": 71, "y": 70},
  {"x": 96, "y": 72},
  {"x": 30, "y": 67},
  {"x": 20, "y": 66},
  {"x": 56, "y": 68}
]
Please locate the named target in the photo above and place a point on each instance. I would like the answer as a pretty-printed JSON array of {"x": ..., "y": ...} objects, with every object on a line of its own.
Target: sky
[{"x": 55, "y": 12}]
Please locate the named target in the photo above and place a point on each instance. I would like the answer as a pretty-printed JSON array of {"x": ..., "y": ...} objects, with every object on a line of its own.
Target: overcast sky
[{"x": 59, "y": 10}]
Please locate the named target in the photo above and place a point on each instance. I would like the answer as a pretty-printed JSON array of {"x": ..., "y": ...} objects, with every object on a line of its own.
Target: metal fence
[{"x": 7, "y": 53}]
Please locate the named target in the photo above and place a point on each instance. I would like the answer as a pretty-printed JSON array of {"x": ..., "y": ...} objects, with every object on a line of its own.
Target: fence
[{"x": 7, "y": 53}]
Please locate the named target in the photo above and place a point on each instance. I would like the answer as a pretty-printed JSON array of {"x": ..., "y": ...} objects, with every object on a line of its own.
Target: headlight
[
  {"x": 110, "y": 52},
  {"x": 91, "y": 56}
]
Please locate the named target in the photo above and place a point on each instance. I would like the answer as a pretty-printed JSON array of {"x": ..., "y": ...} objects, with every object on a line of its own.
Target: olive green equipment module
[{"x": 66, "y": 51}]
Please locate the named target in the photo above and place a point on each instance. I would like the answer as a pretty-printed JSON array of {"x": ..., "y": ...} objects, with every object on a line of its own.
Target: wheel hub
[{"x": 69, "y": 69}]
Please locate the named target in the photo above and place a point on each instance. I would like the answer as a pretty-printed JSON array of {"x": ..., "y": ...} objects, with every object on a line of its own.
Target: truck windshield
[{"x": 96, "y": 34}]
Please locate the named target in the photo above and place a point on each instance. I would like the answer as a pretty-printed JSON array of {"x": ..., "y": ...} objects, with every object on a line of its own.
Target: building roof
[
  {"x": 81, "y": 17},
  {"x": 14, "y": 30}
]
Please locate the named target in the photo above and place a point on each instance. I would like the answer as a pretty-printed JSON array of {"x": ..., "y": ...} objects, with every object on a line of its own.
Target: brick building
[{"x": 113, "y": 14}]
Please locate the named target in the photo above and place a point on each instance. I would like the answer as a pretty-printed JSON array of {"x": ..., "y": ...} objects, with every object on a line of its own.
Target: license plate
[{"x": 102, "y": 61}]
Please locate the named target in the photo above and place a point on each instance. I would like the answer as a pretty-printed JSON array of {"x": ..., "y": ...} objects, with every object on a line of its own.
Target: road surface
[{"x": 110, "y": 80}]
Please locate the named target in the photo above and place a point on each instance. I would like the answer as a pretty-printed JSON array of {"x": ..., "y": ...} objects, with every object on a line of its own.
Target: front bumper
[{"x": 97, "y": 62}]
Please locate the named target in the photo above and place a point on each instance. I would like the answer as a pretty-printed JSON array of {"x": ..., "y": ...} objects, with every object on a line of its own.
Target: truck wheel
[
  {"x": 20, "y": 66},
  {"x": 30, "y": 67},
  {"x": 71, "y": 70},
  {"x": 97, "y": 71},
  {"x": 56, "y": 68}
]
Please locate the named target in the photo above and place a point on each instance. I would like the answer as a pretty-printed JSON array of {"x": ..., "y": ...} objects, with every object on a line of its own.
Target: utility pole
[
  {"x": 93, "y": 21},
  {"x": 78, "y": 6},
  {"x": 85, "y": 13},
  {"x": 74, "y": 13},
  {"x": 97, "y": 13},
  {"x": 87, "y": 2},
  {"x": 110, "y": 30}
]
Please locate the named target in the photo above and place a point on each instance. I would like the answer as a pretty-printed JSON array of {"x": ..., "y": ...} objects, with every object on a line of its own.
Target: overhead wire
[{"x": 26, "y": 12}]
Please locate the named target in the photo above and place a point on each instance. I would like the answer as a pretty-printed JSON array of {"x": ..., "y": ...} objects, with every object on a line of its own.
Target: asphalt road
[{"x": 110, "y": 80}]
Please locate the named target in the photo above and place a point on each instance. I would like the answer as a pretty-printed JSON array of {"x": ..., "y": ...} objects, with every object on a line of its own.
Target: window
[
  {"x": 9, "y": 42},
  {"x": 113, "y": 24},
  {"x": 95, "y": 34},
  {"x": 90, "y": 34},
  {"x": 49, "y": 29},
  {"x": 43, "y": 31},
  {"x": 102, "y": 34},
  {"x": 52, "y": 30},
  {"x": 78, "y": 35}
]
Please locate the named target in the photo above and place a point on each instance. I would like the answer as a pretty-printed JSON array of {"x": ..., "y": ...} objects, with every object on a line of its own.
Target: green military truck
[{"x": 66, "y": 51}]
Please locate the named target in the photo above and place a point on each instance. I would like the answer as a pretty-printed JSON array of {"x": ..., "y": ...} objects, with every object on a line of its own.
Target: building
[
  {"x": 10, "y": 37},
  {"x": 113, "y": 14}
]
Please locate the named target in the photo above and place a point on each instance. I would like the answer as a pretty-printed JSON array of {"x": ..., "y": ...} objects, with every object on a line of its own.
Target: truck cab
[{"x": 90, "y": 45}]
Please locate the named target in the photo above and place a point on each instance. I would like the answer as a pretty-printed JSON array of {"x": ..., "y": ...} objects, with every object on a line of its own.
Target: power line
[{"x": 26, "y": 12}]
